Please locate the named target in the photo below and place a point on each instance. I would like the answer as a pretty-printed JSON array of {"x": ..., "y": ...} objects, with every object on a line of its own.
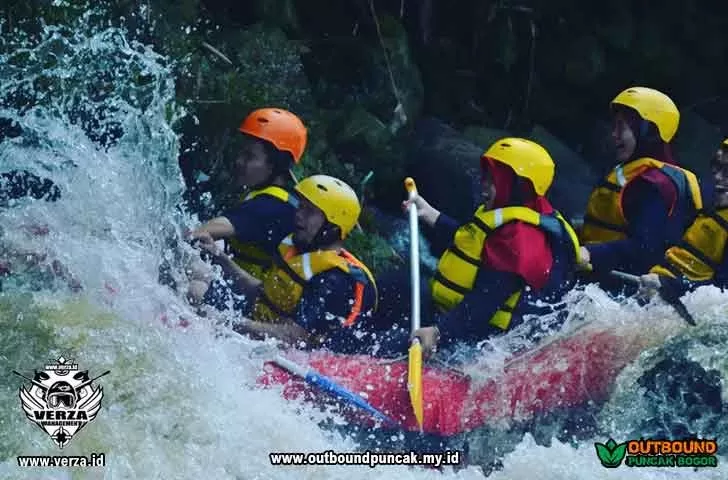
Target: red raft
[{"x": 564, "y": 373}]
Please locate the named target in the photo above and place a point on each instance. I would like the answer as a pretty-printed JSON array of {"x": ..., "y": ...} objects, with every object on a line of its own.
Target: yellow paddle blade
[{"x": 414, "y": 381}]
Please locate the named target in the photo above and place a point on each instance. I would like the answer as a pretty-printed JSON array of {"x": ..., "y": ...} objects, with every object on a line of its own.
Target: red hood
[{"x": 511, "y": 190}]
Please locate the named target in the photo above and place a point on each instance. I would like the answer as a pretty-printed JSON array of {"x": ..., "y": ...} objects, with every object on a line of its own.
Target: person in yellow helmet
[
  {"x": 515, "y": 241},
  {"x": 646, "y": 201},
  {"x": 273, "y": 140},
  {"x": 316, "y": 291},
  {"x": 699, "y": 258}
]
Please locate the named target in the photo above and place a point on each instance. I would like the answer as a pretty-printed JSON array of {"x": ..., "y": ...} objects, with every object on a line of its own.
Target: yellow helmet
[
  {"x": 335, "y": 198},
  {"x": 725, "y": 143},
  {"x": 528, "y": 159},
  {"x": 653, "y": 106}
]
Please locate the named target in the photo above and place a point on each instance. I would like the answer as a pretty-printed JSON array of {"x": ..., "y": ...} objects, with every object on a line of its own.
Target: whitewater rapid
[{"x": 180, "y": 403}]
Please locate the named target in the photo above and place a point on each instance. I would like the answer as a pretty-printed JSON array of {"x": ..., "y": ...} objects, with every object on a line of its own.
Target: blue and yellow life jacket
[
  {"x": 248, "y": 255},
  {"x": 701, "y": 251},
  {"x": 458, "y": 267},
  {"x": 605, "y": 221},
  {"x": 284, "y": 283}
]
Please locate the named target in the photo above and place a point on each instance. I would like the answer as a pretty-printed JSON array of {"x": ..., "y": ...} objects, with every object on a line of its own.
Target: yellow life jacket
[
  {"x": 604, "y": 220},
  {"x": 284, "y": 283},
  {"x": 248, "y": 255},
  {"x": 701, "y": 251},
  {"x": 458, "y": 266}
]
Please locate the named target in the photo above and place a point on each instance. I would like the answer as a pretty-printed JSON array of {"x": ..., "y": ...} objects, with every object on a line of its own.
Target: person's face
[
  {"x": 624, "y": 139},
  {"x": 308, "y": 221},
  {"x": 719, "y": 168},
  {"x": 486, "y": 181},
  {"x": 252, "y": 166}
]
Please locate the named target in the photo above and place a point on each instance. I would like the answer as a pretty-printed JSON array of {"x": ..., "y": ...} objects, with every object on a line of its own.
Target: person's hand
[
  {"x": 425, "y": 212},
  {"x": 204, "y": 241},
  {"x": 584, "y": 258},
  {"x": 649, "y": 285},
  {"x": 651, "y": 280},
  {"x": 429, "y": 336},
  {"x": 196, "y": 236}
]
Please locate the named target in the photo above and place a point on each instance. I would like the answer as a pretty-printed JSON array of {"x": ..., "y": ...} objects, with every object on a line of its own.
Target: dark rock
[
  {"x": 483, "y": 136},
  {"x": 696, "y": 142},
  {"x": 446, "y": 167},
  {"x": 675, "y": 390},
  {"x": 597, "y": 147},
  {"x": 574, "y": 179}
]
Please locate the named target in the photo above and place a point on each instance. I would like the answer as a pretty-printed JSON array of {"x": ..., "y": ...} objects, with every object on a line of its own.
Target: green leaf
[
  {"x": 611, "y": 454},
  {"x": 620, "y": 452}
]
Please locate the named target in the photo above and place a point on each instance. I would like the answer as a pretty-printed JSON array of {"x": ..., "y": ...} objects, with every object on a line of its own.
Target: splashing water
[
  {"x": 95, "y": 113},
  {"x": 177, "y": 404}
]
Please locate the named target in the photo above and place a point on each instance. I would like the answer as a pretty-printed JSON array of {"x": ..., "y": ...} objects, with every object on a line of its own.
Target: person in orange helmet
[{"x": 274, "y": 140}]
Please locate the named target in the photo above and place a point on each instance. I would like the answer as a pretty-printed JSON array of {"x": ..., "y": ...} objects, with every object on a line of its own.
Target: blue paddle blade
[{"x": 332, "y": 387}]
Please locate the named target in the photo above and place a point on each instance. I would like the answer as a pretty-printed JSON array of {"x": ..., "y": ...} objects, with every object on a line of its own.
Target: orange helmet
[{"x": 280, "y": 127}]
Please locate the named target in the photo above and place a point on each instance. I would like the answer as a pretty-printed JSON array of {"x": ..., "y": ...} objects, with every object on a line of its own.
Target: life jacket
[
  {"x": 284, "y": 283},
  {"x": 458, "y": 267},
  {"x": 248, "y": 255},
  {"x": 604, "y": 220},
  {"x": 701, "y": 250}
]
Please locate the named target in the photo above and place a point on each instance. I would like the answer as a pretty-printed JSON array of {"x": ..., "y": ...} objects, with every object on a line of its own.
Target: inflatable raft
[{"x": 565, "y": 372}]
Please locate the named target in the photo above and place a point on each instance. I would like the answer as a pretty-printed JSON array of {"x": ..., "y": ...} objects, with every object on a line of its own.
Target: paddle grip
[{"x": 410, "y": 186}]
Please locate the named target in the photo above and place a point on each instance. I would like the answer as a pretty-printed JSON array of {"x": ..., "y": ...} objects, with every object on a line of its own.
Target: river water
[{"x": 94, "y": 111}]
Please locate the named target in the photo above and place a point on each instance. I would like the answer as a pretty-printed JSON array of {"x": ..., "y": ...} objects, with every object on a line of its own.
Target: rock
[
  {"x": 695, "y": 143},
  {"x": 483, "y": 136},
  {"x": 574, "y": 179},
  {"x": 597, "y": 147},
  {"x": 675, "y": 390},
  {"x": 446, "y": 167},
  {"x": 443, "y": 162}
]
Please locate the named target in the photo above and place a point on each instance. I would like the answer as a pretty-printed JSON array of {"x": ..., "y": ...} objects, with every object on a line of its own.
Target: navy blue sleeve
[
  {"x": 327, "y": 302},
  {"x": 470, "y": 318},
  {"x": 264, "y": 220},
  {"x": 651, "y": 230},
  {"x": 442, "y": 233}
]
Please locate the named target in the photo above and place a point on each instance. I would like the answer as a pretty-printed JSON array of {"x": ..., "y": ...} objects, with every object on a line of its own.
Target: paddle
[
  {"x": 675, "y": 303},
  {"x": 328, "y": 385},
  {"x": 414, "y": 377}
]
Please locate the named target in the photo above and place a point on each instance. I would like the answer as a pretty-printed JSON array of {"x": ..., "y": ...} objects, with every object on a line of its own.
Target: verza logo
[
  {"x": 611, "y": 453},
  {"x": 59, "y": 401}
]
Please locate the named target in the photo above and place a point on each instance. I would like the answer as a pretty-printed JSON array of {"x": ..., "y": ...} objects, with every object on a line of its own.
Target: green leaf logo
[{"x": 611, "y": 454}]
